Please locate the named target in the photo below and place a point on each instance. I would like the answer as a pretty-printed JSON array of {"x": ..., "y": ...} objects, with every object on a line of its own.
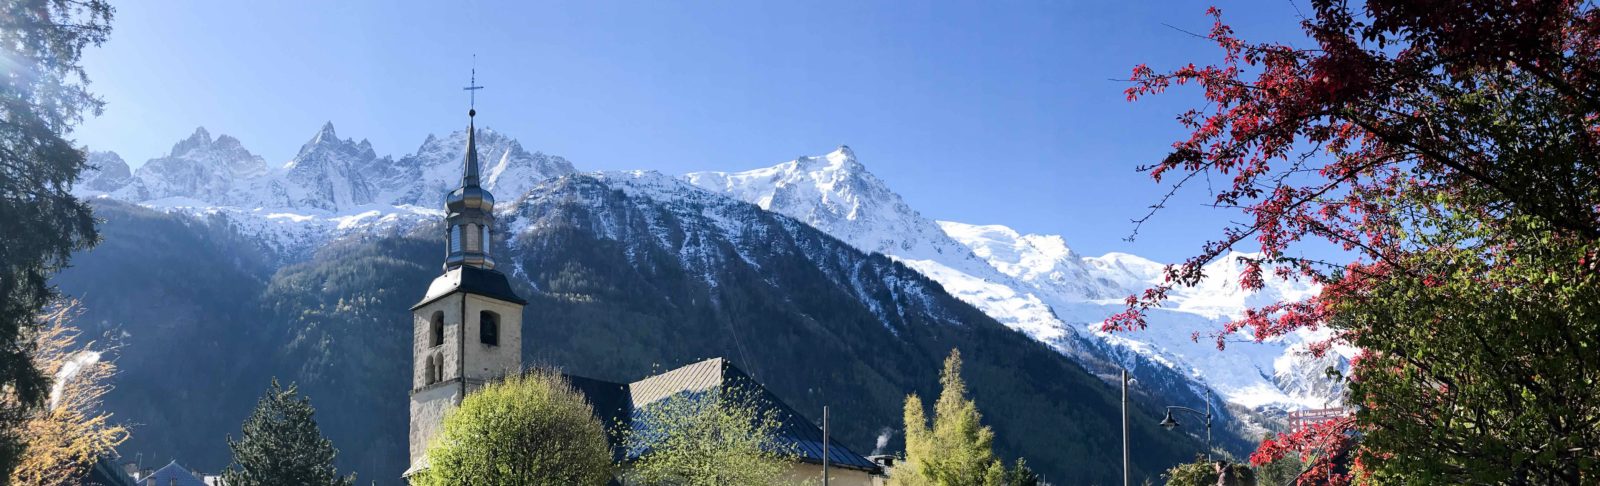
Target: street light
[{"x": 1170, "y": 423}]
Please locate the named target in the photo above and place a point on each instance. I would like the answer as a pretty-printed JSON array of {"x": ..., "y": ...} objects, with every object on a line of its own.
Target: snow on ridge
[
  {"x": 1036, "y": 283},
  {"x": 1033, "y": 283},
  {"x": 331, "y": 187},
  {"x": 836, "y": 194}
]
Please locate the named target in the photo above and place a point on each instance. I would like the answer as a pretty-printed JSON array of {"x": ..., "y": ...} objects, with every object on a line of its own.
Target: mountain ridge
[
  {"x": 339, "y": 190},
  {"x": 1033, "y": 283}
]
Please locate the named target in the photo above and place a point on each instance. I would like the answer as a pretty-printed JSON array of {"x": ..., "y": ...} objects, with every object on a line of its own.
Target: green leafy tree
[
  {"x": 1197, "y": 473},
  {"x": 1205, "y": 472},
  {"x": 528, "y": 429},
  {"x": 717, "y": 438},
  {"x": 1282, "y": 472},
  {"x": 1022, "y": 475},
  {"x": 958, "y": 449},
  {"x": 43, "y": 95},
  {"x": 281, "y": 444}
]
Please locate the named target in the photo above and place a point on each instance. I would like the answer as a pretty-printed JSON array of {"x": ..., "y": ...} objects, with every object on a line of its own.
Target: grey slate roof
[
  {"x": 472, "y": 280},
  {"x": 617, "y": 403}
]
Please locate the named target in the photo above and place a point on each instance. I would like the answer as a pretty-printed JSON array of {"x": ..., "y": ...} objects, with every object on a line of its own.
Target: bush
[{"x": 528, "y": 429}]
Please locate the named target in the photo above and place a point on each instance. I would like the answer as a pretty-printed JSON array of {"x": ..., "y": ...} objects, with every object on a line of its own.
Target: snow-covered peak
[
  {"x": 199, "y": 139},
  {"x": 333, "y": 174},
  {"x": 1044, "y": 261},
  {"x": 107, "y": 172},
  {"x": 198, "y": 167},
  {"x": 508, "y": 170},
  {"x": 326, "y": 132},
  {"x": 837, "y": 194},
  {"x": 1220, "y": 296},
  {"x": 1036, "y": 283}
]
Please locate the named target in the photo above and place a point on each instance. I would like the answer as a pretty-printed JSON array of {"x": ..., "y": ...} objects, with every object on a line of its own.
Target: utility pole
[
  {"x": 824, "y": 445},
  {"x": 1124, "y": 427}
]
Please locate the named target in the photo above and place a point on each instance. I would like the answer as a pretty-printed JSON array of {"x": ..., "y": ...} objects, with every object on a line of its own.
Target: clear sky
[{"x": 981, "y": 112}]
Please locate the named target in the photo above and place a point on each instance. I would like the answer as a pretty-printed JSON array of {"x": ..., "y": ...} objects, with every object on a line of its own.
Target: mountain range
[{"x": 220, "y": 270}]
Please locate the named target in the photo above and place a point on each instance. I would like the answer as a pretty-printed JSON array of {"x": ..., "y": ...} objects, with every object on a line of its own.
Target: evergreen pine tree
[
  {"x": 42, "y": 96},
  {"x": 281, "y": 445},
  {"x": 958, "y": 449}
]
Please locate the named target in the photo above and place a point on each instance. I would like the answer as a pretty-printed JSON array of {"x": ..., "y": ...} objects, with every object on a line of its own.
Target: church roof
[
  {"x": 472, "y": 280},
  {"x": 616, "y": 403},
  {"x": 173, "y": 475}
]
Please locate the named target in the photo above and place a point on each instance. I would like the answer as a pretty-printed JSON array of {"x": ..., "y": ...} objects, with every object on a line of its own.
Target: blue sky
[{"x": 981, "y": 112}]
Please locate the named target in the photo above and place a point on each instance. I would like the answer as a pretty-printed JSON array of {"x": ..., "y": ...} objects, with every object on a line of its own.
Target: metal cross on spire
[{"x": 472, "y": 87}]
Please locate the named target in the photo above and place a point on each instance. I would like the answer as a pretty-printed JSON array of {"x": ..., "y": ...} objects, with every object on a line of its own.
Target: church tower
[{"x": 468, "y": 327}]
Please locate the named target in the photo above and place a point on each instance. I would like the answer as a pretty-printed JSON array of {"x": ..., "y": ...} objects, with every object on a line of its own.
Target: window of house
[
  {"x": 455, "y": 239},
  {"x": 489, "y": 328},
  {"x": 436, "y": 326}
]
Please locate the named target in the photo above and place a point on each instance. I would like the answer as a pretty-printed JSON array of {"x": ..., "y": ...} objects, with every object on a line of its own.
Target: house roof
[
  {"x": 611, "y": 405},
  {"x": 472, "y": 280},
  {"x": 617, "y": 403},
  {"x": 173, "y": 475}
]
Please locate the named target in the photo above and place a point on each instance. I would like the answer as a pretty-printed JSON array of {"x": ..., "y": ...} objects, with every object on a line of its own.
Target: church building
[{"x": 468, "y": 332}]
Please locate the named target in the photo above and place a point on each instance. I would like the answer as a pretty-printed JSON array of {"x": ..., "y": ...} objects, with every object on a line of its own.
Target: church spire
[
  {"x": 469, "y": 175},
  {"x": 469, "y": 209}
]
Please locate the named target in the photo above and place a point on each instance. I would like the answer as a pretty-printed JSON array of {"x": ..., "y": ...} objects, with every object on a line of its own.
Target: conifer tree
[
  {"x": 281, "y": 445},
  {"x": 42, "y": 96},
  {"x": 958, "y": 450},
  {"x": 66, "y": 436}
]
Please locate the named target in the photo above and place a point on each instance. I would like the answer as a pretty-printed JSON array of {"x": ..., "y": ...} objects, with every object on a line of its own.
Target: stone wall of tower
[
  {"x": 434, "y": 391},
  {"x": 485, "y": 362},
  {"x": 439, "y": 372},
  {"x": 428, "y": 408},
  {"x": 449, "y": 308}
]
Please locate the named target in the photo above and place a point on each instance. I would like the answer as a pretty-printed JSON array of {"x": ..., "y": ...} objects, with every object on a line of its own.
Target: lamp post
[
  {"x": 1124, "y": 427},
  {"x": 1169, "y": 423}
]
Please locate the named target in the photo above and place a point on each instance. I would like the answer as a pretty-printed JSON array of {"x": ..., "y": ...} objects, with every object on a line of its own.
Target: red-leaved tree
[{"x": 1451, "y": 148}]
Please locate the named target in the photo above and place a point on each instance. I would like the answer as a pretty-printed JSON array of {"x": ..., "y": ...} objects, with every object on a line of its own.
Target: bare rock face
[{"x": 106, "y": 173}]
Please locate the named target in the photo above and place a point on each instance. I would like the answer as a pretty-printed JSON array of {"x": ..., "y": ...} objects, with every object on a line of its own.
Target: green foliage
[
  {"x": 716, "y": 438},
  {"x": 1481, "y": 364},
  {"x": 1203, "y": 472},
  {"x": 1021, "y": 475},
  {"x": 281, "y": 444},
  {"x": 42, "y": 96},
  {"x": 1282, "y": 472},
  {"x": 1197, "y": 473},
  {"x": 528, "y": 429},
  {"x": 958, "y": 449}
]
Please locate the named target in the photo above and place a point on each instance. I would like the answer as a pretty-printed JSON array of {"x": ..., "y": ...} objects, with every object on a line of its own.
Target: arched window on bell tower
[
  {"x": 486, "y": 241},
  {"x": 455, "y": 239},
  {"x": 489, "y": 328},
  {"x": 436, "y": 329}
]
